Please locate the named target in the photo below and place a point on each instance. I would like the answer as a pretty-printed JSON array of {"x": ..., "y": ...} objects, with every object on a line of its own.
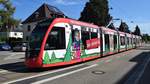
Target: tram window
[
  {"x": 128, "y": 40},
  {"x": 133, "y": 40},
  {"x": 138, "y": 41},
  {"x": 85, "y": 36},
  {"x": 73, "y": 34},
  {"x": 107, "y": 45},
  {"x": 56, "y": 39},
  {"x": 94, "y": 35},
  {"x": 122, "y": 40},
  {"x": 37, "y": 35},
  {"x": 115, "y": 41}
]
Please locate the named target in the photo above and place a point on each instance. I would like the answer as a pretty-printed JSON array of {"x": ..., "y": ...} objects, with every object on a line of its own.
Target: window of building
[
  {"x": 36, "y": 15},
  {"x": 29, "y": 28},
  {"x": 27, "y": 38},
  {"x": 56, "y": 39}
]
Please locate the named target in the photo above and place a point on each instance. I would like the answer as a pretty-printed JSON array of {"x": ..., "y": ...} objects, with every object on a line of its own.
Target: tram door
[
  {"x": 76, "y": 41},
  {"x": 115, "y": 42},
  {"x": 107, "y": 43},
  {"x": 111, "y": 43}
]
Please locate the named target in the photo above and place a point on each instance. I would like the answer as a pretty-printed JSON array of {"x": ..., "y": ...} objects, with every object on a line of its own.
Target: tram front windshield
[{"x": 37, "y": 37}]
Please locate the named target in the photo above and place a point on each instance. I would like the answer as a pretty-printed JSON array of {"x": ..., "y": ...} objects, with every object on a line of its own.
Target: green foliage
[
  {"x": 3, "y": 39},
  {"x": 97, "y": 12},
  {"x": 124, "y": 27},
  {"x": 6, "y": 16},
  {"x": 111, "y": 26},
  {"x": 137, "y": 30},
  {"x": 146, "y": 38}
]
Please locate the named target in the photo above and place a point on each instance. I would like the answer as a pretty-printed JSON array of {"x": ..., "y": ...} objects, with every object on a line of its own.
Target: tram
[{"x": 62, "y": 41}]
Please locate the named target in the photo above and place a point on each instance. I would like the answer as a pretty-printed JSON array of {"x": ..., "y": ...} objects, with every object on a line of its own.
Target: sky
[{"x": 133, "y": 12}]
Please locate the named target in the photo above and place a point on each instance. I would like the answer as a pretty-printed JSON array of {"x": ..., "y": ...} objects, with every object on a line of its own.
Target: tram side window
[
  {"x": 115, "y": 41},
  {"x": 85, "y": 36},
  {"x": 128, "y": 40},
  {"x": 107, "y": 41},
  {"x": 56, "y": 39},
  {"x": 94, "y": 35},
  {"x": 75, "y": 33},
  {"x": 133, "y": 40},
  {"x": 138, "y": 41},
  {"x": 122, "y": 40}
]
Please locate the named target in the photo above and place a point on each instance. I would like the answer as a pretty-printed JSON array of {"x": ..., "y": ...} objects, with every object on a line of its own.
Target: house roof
[{"x": 43, "y": 12}]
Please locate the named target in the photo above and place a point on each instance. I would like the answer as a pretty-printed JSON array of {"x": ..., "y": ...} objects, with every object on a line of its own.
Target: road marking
[
  {"x": 62, "y": 75},
  {"x": 42, "y": 74},
  {"x": 3, "y": 71}
]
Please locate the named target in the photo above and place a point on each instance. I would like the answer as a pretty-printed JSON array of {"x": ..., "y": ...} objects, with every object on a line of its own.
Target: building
[
  {"x": 13, "y": 35},
  {"x": 45, "y": 11}
]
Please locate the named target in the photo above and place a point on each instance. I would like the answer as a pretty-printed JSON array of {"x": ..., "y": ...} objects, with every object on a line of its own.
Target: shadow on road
[
  {"x": 139, "y": 59},
  {"x": 14, "y": 67},
  {"x": 19, "y": 67}
]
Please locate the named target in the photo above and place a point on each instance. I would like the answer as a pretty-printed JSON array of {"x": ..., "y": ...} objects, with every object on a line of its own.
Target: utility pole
[{"x": 111, "y": 21}]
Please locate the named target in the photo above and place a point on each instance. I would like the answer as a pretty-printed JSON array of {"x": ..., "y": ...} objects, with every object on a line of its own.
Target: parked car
[
  {"x": 20, "y": 47},
  {"x": 5, "y": 46}
]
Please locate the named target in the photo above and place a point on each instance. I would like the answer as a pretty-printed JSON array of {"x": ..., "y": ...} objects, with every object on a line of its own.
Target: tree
[
  {"x": 146, "y": 38},
  {"x": 97, "y": 12},
  {"x": 111, "y": 26},
  {"x": 124, "y": 27},
  {"x": 137, "y": 30},
  {"x": 6, "y": 16}
]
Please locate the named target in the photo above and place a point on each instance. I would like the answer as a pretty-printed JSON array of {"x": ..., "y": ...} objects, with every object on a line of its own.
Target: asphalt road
[
  {"x": 130, "y": 67},
  {"x": 11, "y": 57}
]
